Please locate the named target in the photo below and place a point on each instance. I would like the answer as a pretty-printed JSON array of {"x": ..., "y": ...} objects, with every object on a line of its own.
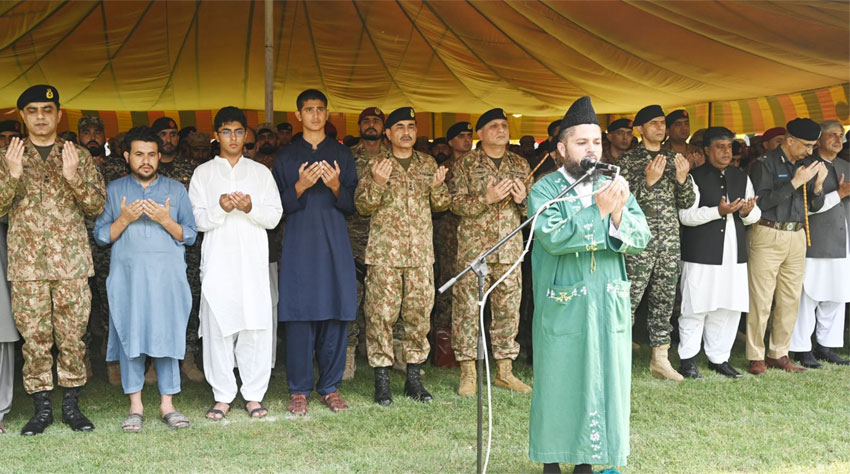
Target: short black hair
[
  {"x": 141, "y": 134},
  {"x": 716, "y": 133},
  {"x": 230, "y": 114},
  {"x": 310, "y": 94}
]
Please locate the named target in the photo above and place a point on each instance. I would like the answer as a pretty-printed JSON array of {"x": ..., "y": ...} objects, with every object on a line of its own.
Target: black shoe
[
  {"x": 688, "y": 369},
  {"x": 43, "y": 416},
  {"x": 827, "y": 354},
  {"x": 806, "y": 359},
  {"x": 413, "y": 386},
  {"x": 583, "y": 469},
  {"x": 383, "y": 396},
  {"x": 725, "y": 369},
  {"x": 551, "y": 468},
  {"x": 71, "y": 414}
]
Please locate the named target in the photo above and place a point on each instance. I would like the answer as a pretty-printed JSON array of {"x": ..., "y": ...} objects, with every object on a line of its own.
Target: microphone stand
[{"x": 479, "y": 267}]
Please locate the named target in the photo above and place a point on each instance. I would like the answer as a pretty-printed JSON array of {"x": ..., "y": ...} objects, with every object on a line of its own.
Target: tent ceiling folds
[{"x": 529, "y": 57}]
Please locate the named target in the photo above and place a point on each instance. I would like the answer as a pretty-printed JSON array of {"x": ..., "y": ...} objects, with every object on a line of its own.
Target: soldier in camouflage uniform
[
  {"x": 661, "y": 184},
  {"x": 180, "y": 168},
  {"x": 47, "y": 186},
  {"x": 678, "y": 130},
  {"x": 481, "y": 181},
  {"x": 403, "y": 187}
]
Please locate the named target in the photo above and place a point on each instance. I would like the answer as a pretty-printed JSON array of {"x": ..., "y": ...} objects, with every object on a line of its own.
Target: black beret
[
  {"x": 439, "y": 140},
  {"x": 284, "y": 126},
  {"x": 618, "y": 124},
  {"x": 552, "y": 127},
  {"x": 675, "y": 115},
  {"x": 581, "y": 112},
  {"x": 457, "y": 129},
  {"x": 38, "y": 93},
  {"x": 489, "y": 116},
  {"x": 397, "y": 115},
  {"x": 647, "y": 113},
  {"x": 163, "y": 123},
  {"x": 804, "y": 129},
  {"x": 737, "y": 148},
  {"x": 10, "y": 126}
]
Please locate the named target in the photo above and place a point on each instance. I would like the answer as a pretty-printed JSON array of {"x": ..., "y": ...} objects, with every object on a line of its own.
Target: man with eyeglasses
[
  {"x": 620, "y": 140},
  {"x": 777, "y": 245},
  {"x": 235, "y": 200}
]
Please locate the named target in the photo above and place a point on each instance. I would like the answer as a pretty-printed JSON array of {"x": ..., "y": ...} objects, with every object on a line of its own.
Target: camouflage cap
[
  {"x": 87, "y": 121},
  {"x": 266, "y": 127},
  {"x": 198, "y": 139}
]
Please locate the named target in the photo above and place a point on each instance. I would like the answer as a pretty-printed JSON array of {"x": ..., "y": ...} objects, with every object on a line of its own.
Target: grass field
[{"x": 777, "y": 423}]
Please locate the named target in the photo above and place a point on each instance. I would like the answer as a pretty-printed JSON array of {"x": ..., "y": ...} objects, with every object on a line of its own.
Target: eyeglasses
[
  {"x": 225, "y": 132},
  {"x": 250, "y": 146}
]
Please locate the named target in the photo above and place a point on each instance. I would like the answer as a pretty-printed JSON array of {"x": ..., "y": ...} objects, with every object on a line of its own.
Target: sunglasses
[{"x": 249, "y": 146}]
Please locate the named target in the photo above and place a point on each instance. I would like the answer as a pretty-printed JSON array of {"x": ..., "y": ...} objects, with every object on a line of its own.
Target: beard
[
  {"x": 441, "y": 157},
  {"x": 267, "y": 148},
  {"x": 370, "y": 134},
  {"x": 95, "y": 148},
  {"x": 168, "y": 149}
]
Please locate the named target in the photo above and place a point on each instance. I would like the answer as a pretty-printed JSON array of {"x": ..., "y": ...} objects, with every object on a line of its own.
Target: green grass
[{"x": 777, "y": 423}]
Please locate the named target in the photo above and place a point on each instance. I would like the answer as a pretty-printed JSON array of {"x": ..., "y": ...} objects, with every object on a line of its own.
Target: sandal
[
  {"x": 297, "y": 404},
  {"x": 215, "y": 411},
  {"x": 133, "y": 423},
  {"x": 259, "y": 409},
  {"x": 334, "y": 402},
  {"x": 176, "y": 420}
]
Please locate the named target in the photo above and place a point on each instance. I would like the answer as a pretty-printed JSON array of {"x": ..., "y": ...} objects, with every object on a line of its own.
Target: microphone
[{"x": 590, "y": 163}]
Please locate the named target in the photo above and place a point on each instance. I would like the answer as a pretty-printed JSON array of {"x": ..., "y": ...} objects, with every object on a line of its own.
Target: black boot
[
  {"x": 583, "y": 469},
  {"x": 43, "y": 416},
  {"x": 827, "y": 354},
  {"x": 551, "y": 468},
  {"x": 688, "y": 369},
  {"x": 806, "y": 359},
  {"x": 71, "y": 415},
  {"x": 383, "y": 396},
  {"x": 413, "y": 385}
]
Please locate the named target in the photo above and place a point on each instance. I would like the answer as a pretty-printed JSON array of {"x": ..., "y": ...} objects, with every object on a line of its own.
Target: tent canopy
[{"x": 530, "y": 58}]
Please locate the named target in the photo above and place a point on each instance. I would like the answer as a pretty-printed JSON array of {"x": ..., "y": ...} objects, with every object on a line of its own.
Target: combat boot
[
  {"x": 350, "y": 363},
  {"x": 383, "y": 396},
  {"x": 505, "y": 377},
  {"x": 659, "y": 365},
  {"x": 468, "y": 378},
  {"x": 71, "y": 414},
  {"x": 413, "y": 387},
  {"x": 43, "y": 416},
  {"x": 189, "y": 369}
]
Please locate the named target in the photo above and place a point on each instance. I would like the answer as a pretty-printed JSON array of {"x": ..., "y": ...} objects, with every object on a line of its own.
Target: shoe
[
  {"x": 583, "y": 469},
  {"x": 71, "y": 414},
  {"x": 783, "y": 363},
  {"x": 413, "y": 387},
  {"x": 468, "y": 379},
  {"x": 806, "y": 359},
  {"x": 334, "y": 402},
  {"x": 659, "y": 365},
  {"x": 827, "y": 354},
  {"x": 505, "y": 377},
  {"x": 757, "y": 367},
  {"x": 350, "y": 363},
  {"x": 725, "y": 369},
  {"x": 297, "y": 404},
  {"x": 383, "y": 395},
  {"x": 551, "y": 468},
  {"x": 43, "y": 416},
  {"x": 688, "y": 369},
  {"x": 190, "y": 369}
]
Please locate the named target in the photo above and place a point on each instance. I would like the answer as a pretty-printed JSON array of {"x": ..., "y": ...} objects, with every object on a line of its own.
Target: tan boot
[
  {"x": 505, "y": 377},
  {"x": 113, "y": 373},
  {"x": 150, "y": 375},
  {"x": 659, "y": 365},
  {"x": 468, "y": 378},
  {"x": 190, "y": 370},
  {"x": 350, "y": 363}
]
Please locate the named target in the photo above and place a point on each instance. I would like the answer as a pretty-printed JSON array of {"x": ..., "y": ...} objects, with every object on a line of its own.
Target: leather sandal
[
  {"x": 262, "y": 410},
  {"x": 334, "y": 402},
  {"x": 297, "y": 404},
  {"x": 215, "y": 411}
]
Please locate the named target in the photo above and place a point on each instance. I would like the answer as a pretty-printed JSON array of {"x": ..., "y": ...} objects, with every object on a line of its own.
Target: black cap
[
  {"x": 284, "y": 126},
  {"x": 38, "y": 93},
  {"x": 581, "y": 112},
  {"x": 804, "y": 129},
  {"x": 10, "y": 126},
  {"x": 439, "y": 140},
  {"x": 647, "y": 113},
  {"x": 163, "y": 123},
  {"x": 552, "y": 127},
  {"x": 457, "y": 129},
  {"x": 489, "y": 116},
  {"x": 676, "y": 115},
  {"x": 397, "y": 115},
  {"x": 618, "y": 124}
]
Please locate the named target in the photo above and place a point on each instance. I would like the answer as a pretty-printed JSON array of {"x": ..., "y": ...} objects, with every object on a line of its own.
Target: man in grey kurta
[
  {"x": 582, "y": 313},
  {"x": 8, "y": 335}
]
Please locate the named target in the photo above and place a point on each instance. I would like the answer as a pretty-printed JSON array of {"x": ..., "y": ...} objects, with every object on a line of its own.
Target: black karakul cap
[
  {"x": 581, "y": 112},
  {"x": 489, "y": 116},
  {"x": 804, "y": 129},
  {"x": 648, "y": 113},
  {"x": 399, "y": 114},
  {"x": 618, "y": 124},
  {"x": 10, "y": 126},
  {"x": 163, "y": 123},
  {"x": 457, "y": 129},
  {"x": 38, "y": 93},
  {"x": 675, "y": 115}
]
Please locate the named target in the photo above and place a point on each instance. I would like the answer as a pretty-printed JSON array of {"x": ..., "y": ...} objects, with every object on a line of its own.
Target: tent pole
[
  {"x": 709, "y": 114},
  {"x": 269, "y": 49}
]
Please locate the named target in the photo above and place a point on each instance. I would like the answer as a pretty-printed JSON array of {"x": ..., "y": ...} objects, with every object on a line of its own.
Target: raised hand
[
  {"x": 654, "y": 169},
  {"x": 843, "y": 187},
  {"x": 307, "y": 176},
  {"x": 727, "y": 208},
  {"x": 822, "y": 173},
  {"x": 15, "y": 157},
  {"x": 70, "y": 160},
  {"x": 682, "y": 168},
  {"x": 241, "y": 201},
  {"x": 518, "y": 190},
  {"x": 695, "y": 159},
  {"x": 159, "y": 214},
  {"x": 330, "y": 175},
  {"x": 131, "y": 212},
  {"x": 439, "y": 177},
  {"x": 748, "y": 206},
  {"x": 804, "y": 174},
  {"x": 382, "y": 170},
  {"x": 496, "y": 192},
  {"x": 226, "y": 202}
]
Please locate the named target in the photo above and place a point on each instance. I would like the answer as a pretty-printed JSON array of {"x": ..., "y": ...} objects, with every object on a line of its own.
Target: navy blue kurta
[{"x": 317, "y": 280}]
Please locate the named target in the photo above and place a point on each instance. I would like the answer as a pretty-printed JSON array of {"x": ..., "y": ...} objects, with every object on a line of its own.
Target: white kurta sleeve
[
  {"x": 207, "y": 211},
  {"x": 755, "y": 214},
  {"x": 695, "y": 215},
  {"x": 266, "y": 208},
  {"x": 829, "y": 201}
]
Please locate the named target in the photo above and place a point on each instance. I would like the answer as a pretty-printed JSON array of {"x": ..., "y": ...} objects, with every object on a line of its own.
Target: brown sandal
[
  {"x": 297, "y": 404},
  {"x": 334, "y": 402}
]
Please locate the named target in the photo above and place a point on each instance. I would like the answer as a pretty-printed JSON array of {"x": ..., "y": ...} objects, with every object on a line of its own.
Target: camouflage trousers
[
  {"x": 99, "y": 318},
  {"x": 655, "y": 271},
  {"x": 504, "y": 304},
  {"x": 445, "y": 254},
  {"x": 358, "y": 326},
  {"x": 392, "y": 292},
  {"x": 48, "y": 311}
]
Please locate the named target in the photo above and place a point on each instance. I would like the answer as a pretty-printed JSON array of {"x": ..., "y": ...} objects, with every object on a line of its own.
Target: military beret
[
  {"x": 163, "y": 123},
  {"x": 87, "y": 121},
  {"x": 266, "y": 127},
  {"x": 10, "y": 126},
  {"x": 581, "y": 112},
  {"x": 284, "y": 126},
  {"x": 647, "y": 113},
  {"x": 552, "y": 127},
  {"x": 371, "y": 112},
  {"x": 772, "y": 133},
  {"x": 676, "y": 115},
  {"x": 397, "y": 115},
  {"x": 489, "y": 116},
  {"x": 185, "y": 131},
  {"x": 38, "y": 93},
  {"x": 457, "y": 129},
  {"x": 804, "y": 129},
  {"x": 618, "y": 124}
]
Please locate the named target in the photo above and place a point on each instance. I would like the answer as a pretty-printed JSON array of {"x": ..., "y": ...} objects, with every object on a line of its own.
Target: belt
[{"x": 789, "y": 226}]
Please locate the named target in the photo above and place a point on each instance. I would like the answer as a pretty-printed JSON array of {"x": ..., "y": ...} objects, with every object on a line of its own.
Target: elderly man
[
  {"x": 825, "y": 287},
  {"x": 47, "y": 187}
]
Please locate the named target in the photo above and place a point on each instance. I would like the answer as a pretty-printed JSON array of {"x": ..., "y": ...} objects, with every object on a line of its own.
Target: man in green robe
[{"x": 582, "y": 311}]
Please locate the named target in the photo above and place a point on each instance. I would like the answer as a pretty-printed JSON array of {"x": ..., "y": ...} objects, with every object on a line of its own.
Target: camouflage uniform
[
  {"x": 50, "y": 260},
  {"x": 469, "y": 186},
  {"x": 445, "y": 252},
  {"x": 656, "y": 269},
  {"x": 400, "y": 256}
]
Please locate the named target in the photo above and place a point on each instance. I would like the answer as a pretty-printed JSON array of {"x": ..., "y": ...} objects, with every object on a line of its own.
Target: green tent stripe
[
  {"x": 776, "y": 111},
  {"x": 813, "y": 105}
]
